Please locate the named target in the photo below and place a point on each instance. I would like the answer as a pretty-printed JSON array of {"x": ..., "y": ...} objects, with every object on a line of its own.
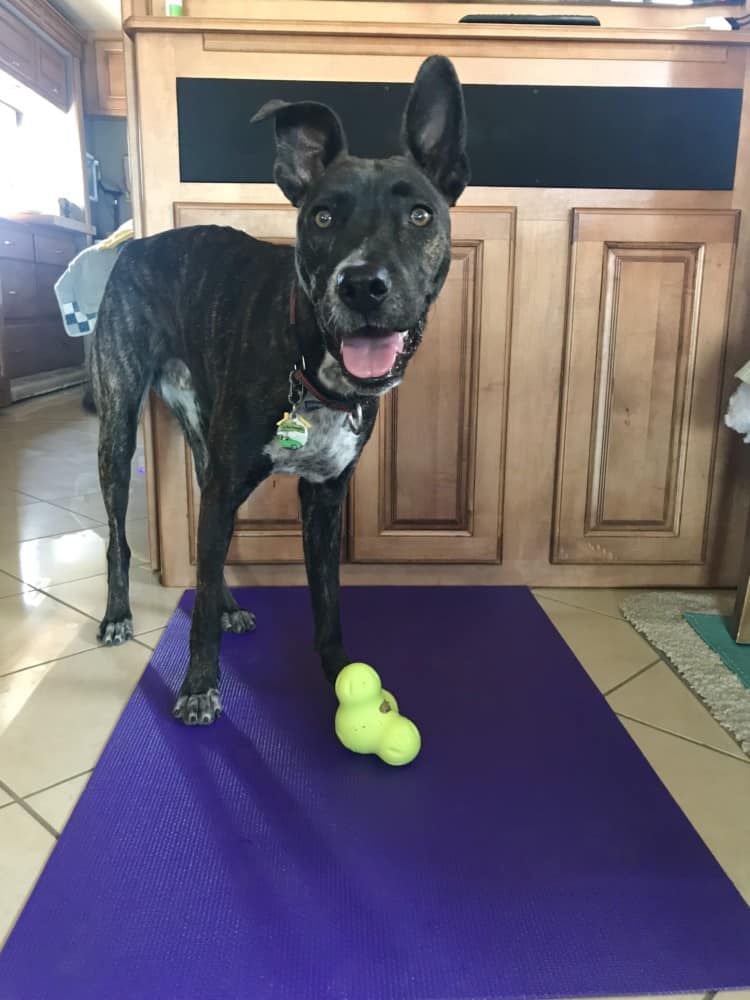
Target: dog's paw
[
  {"x": 114, "y": 633},
  {"x": 238, "y": 620},
  {"x": 198, "y": 709}
]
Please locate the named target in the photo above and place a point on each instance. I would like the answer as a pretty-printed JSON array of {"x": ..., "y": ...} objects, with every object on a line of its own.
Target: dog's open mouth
[{"x": 368, "y": 353}]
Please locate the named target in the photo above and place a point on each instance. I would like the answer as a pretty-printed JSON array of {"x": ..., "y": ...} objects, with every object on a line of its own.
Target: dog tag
[{"x": 292, "y": 431}]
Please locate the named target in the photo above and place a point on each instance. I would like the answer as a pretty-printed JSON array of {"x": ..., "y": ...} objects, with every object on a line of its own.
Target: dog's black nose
[{"x": 363, "y": 287}]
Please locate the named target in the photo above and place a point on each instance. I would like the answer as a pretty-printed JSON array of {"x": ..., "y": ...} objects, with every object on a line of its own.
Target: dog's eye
[
  {"x": 323, "y": 218},
  {"x": 420, "y": 216}
]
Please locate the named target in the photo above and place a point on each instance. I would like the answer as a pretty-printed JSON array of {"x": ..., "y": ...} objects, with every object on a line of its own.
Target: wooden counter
[{"x": 578, "y": 362}]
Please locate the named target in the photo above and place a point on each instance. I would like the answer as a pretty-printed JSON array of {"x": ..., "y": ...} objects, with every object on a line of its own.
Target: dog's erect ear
[
  {"x": 434, "y": 126},
  {"x": 309, "y": 136}
]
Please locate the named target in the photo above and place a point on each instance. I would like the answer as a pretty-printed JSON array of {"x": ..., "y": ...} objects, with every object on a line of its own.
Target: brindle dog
[{"x": 231, "y": 331}]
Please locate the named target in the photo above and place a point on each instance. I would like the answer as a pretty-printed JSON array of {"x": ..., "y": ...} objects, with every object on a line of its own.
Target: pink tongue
[{"x": 371, "y": 357}]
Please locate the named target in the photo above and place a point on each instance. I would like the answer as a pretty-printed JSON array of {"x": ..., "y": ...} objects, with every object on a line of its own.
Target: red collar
[{"x": 330, "y": 400}]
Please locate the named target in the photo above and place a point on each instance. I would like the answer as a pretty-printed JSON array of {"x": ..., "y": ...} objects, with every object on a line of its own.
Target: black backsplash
[{"x": 519, "y": 136}]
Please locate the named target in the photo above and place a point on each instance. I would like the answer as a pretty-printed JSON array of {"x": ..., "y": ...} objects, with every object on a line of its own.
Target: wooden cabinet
[
  {"x": 104, "y": 77},
  {"x": 52, "y": 74},
  {"x": 17, "y": 47},
  {"x": 33, "y": 60},
  {"x": 642, "y": 381},
  {"x": 16, "y": 242},
  {"x": 428, "y": 487},
  {"x": 32, "y": 336},
  {"x": 561, "y": 424},
  {"x": 18, "y": 288},
  {"x": 637, "y": 464}
]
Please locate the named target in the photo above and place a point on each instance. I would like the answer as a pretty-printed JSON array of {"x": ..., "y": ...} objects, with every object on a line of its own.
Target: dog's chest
[{"x": 331, "y": 446}]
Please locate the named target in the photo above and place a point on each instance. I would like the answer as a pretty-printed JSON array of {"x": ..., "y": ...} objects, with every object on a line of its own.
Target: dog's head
[{"x": 373, "y": 236}]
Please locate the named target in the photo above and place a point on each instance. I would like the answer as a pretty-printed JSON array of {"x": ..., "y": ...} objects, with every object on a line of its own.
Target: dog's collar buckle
[
  {"x": 296, "y": 387},
  {"x": 355, "y": 418}
]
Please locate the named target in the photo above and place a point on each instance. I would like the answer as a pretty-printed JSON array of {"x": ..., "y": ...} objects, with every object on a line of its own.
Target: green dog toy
[{"x": 368, "y": 720}]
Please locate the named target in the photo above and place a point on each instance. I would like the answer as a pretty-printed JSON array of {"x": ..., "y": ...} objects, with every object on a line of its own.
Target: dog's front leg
[
  {"x": 198, "y": 702},
  {"x": 322, "y": 505}
]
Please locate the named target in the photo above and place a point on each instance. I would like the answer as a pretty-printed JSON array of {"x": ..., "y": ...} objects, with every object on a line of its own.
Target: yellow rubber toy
[{"x": 368, "y": 720}]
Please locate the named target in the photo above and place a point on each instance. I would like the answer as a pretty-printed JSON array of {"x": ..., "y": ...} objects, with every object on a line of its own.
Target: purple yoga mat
[{"x": 530, "y": 851}]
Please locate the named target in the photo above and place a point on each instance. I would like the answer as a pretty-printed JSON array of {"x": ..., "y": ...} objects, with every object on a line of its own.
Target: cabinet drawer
[
  {"x": 46, "y": 300},
  {"x": 54, "y": 248},
  {"x": 16, "y": 241},
  {"x": 52, "y": 74},
  {"x": 17, "y": 47},
  {"x": 27, "y": 348},
  {"x": 17, "y": 288}
]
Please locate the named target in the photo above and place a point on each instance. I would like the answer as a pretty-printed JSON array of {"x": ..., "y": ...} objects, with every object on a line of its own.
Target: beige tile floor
[{"x": 61, "y": 694}]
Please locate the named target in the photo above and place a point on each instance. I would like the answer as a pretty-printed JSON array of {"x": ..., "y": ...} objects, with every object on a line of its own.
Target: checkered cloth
[
  {"x": 76, "y": 322},
  {"x": 80, "y": 288}
]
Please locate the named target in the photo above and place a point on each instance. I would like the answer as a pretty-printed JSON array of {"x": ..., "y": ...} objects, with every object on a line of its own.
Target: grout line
[
  {"x": 95, "y": 619},
  {"x": 30, "y": 590},
  {"x": 135, "y": 560},
  {"x": 137, "y": 638},
  {"x": 4, "y": 540},
  {"x": 9, "y": 791},
  {"x": 58, "y": 583},
  {"x": 91, "y": 618},
  {"x": 62, "y": 781},
  {"x": 13, "y": 576},
  {"x": 22, "y": 493},
  {"x": 39, "y": 818},
  {"x": 44, "y": 663},
  {"x": 632, "y": 677},
  {"x": 81, "y": 652},
  {"x": 740, "y": 757},
  {"x": 17, "y": 800},
  {"x": 578, "y": 607},
  {"x": 71, "y": 607}
]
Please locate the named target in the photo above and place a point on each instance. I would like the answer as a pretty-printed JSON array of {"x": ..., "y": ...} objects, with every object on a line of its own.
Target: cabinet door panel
[
  {"x": 429, "y": 485},
  {"x": 648, "y": 301},
  {"x": 52, "y": 74},
  {"x": 268, "y": 527},
  {"x": 17, "y": 47}
]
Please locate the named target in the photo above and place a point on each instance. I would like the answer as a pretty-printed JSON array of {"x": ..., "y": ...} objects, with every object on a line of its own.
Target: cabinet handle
[
  {"x": 12, "y": 291},
  {"x": 9, "y": 243}
]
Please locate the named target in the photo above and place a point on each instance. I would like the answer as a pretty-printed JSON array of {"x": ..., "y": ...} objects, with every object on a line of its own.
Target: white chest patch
[{"x": 331, "y": 446}]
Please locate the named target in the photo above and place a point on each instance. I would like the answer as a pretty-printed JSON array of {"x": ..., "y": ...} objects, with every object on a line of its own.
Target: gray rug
[{"x": 658, "y": 617}]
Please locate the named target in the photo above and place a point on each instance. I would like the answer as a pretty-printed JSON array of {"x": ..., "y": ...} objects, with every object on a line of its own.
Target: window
[{"x": 41, "y": 152}]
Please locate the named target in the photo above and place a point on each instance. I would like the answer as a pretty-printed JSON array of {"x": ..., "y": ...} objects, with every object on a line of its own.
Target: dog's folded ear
[
  {"x": 434, "y": 127},
  {"x": 309, "y": 136}
]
